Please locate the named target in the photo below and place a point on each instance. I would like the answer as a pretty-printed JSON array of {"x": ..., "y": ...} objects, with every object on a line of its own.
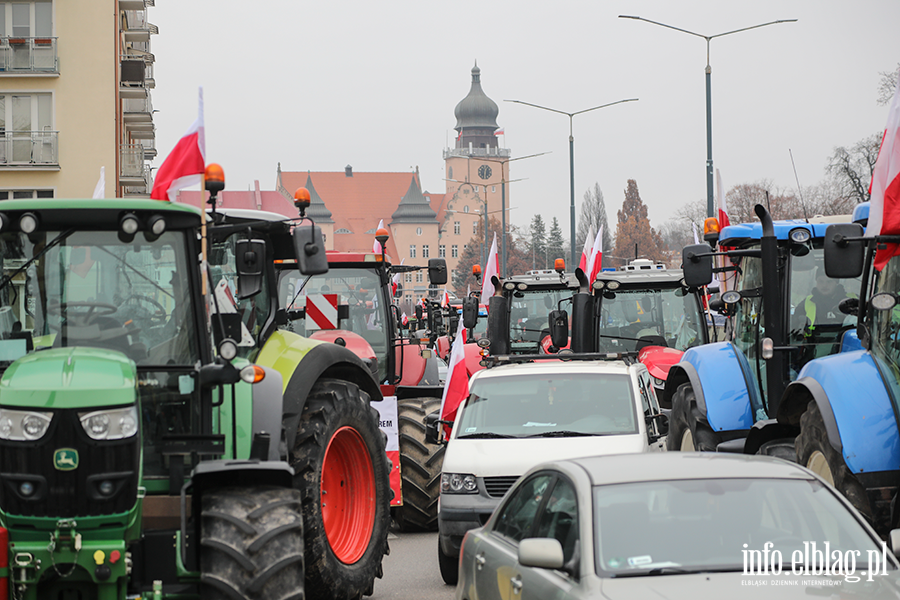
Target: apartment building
[{"x": 75, "y": 96}]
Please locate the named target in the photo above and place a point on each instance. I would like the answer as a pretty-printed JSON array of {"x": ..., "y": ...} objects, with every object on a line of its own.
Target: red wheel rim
[{"x": 348, "y": 495}]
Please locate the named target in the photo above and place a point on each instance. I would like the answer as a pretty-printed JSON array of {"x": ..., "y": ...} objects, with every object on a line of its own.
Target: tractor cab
[{"x": 529, "y": 299}]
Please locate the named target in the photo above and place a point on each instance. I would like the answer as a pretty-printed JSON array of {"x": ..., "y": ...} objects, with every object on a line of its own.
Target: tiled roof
[{"x": 414, "y": 207}]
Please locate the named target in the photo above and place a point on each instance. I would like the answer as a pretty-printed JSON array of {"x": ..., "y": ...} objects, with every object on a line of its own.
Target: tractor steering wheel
[
  {"x": 81, "y": 318},
  {"x": 143, "y": 313}
]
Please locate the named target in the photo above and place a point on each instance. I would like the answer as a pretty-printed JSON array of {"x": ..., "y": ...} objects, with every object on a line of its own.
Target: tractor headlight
[
  {"x": 111, "y": 424},
  {"x": 23, "y": 425},
  {"x": 657, "y": 382},
  {"x": 458, "y": 483}
]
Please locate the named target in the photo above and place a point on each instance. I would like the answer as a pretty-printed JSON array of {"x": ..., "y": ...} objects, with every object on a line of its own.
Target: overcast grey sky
[{"x": 320, "y": 85}]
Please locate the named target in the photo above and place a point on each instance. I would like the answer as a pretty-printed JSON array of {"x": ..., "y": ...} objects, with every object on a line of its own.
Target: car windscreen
[
  {"x": 714, "y": 524},
  {"x": 548, "y": 405}
]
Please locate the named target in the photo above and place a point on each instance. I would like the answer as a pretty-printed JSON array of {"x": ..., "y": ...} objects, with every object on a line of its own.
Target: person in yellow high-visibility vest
[{"x": 821, "y": 305}]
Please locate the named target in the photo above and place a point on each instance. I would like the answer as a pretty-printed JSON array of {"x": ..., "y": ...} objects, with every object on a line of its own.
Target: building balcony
[
  {"x": 137, "y": 27},
  {"x": 477, "y": 152},
  {"x": 134, "y": 172},
  {"x": 29, "y": 149},
  {"x": 137, "y": 110},
  {"x": 28, "y": 56}
]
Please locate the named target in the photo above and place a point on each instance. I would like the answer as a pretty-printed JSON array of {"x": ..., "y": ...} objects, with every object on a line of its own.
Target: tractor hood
[
  {"x": 63, "y": 378},
  {"x": 659, "y": 359}
]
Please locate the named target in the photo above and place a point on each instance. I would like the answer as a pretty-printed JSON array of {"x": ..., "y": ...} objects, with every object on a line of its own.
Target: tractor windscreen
[
  {"x": 659, "y": 317},
  {"x": 886, "y": 327},
  {"x": 87, "y": 288},
  {"x": 816, "y": 323},
  {"x": 529, "y": 317},
  {"x": 345, "y": 298}
]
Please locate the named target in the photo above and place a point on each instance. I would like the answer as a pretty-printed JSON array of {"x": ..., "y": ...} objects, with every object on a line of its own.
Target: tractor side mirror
[
  {"x": 309, "y": 248},
  {"x": 454, "y": 321},
  {"x": 559, "y": 328},
  {"x": 844, "y": 259},
  {"x": 249, "y": 258},
  {"x": 697, "y": 265},
  {"x": 470, "y": 312},
  {"x": 437, "y": 271},
  {"x": 432, "y": 428}
]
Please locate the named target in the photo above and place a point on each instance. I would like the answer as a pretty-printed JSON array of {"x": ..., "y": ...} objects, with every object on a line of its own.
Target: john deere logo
[{"x": 65, "y": 459}]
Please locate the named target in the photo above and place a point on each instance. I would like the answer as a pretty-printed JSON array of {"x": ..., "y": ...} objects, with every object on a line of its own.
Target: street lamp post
[
  {"x": 572, "y": 159},
  {"x": 710, "y": 205}
]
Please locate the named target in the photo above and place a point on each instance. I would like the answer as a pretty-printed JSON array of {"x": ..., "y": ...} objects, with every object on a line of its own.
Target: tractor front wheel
[
  {"x": 420, "y": 466},
  {"x": 341, "y": 471},
  {"x": 815, "y": 452},
  {"x": 251, "y": 544},
  {"x": 688, "y": 429}
]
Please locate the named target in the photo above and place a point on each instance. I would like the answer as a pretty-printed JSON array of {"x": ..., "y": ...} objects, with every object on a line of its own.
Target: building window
[
  {"x": 409, "y": 278},
  {"x": 466, "y": 208},
  {"x": 17, "y": 194},
  {"x": 449, "y": 172},
  {"x": 27, "y": 120},
  {"x": 493, "y": 189},
  {"x": 454, "y": 251},
  {"x": 456, "y": 227},
  {"x": 342, "y": 231},
  {"x": 425, "y": 251},
  {"x": 474, "y": 226},
  {"x": 442, "y": 251},
  {"x": 419, "y": 277},
  {"x": 412, "y": 250},
  {"x": 27, "y": 19},
  {"x": 418, "y": 231}
]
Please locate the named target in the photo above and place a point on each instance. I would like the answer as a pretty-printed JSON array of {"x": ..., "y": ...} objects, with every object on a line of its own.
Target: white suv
[{"x": 521, "y": 414}]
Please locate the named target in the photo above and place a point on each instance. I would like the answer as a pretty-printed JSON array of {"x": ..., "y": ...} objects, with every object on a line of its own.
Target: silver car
[{"x": 674, "y": 525}]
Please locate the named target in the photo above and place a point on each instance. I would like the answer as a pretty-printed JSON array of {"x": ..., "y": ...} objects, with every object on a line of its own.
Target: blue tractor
[
  {"x": 726, "y": 396},
  {"x": 847, "y": 405}
]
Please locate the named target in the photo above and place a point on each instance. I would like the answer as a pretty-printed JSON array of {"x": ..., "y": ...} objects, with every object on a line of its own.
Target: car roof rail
[{"x": 629, "y": 358}]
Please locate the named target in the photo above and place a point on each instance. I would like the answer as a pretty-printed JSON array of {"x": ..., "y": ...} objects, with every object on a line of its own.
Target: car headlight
[
  {"x": 458, "y": 483},
  {"x": 23, "y": 425},
  {"x": 110, "y": 424}
]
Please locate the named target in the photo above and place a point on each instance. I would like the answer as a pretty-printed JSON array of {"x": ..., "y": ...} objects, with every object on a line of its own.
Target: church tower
[{"x": 475, "y": 169}]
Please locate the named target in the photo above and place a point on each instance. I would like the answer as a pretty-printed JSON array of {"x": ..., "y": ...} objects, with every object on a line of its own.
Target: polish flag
[
  {"x": 376, "y": 246},
  {"x": 395, "y": 280},
  {"x": 185, "y": 164},
  {"x": 596, "y": 256},
  {"x": 884, "y": 212},
  {"x": 404, "y": 319},
  {"x": 445, "y": 301},
  {"x": 456, "y": 389},
  {"x": 586, "y": 251},
  {"x": 492, "y": 268},
  {"x": 696, "y": 235},
  {"x": 500, "y": 131},
  {"x": 723, "y": 205}
]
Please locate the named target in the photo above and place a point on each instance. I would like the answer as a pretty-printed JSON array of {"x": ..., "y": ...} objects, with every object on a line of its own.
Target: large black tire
[
  {"x": 816, "y": 453},
  {"x": 688, "y": 429},
  {"x": 344, "y": 546},
  {"x": 449, "y": 566},
  {"x": 420, "y": 467},
  {"x": 251, "y": 544}
]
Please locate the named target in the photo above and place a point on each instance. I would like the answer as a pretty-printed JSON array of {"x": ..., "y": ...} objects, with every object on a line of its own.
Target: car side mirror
[
  {"x": 309, "y": 248},
  {"x": 843, "y": 259},
  {"x": 470, "y": 312},
  {"x": 662, "y": 422},
  {"x": 559, "y": 328},
  {"x": 542, "y": 553},
  {"x": 250, "y": 255},
  {"x": 697, "y": 265},
  {"x": 437, "y": 271}
]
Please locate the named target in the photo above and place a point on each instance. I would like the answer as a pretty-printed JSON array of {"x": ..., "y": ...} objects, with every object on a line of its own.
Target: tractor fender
[
  {"x": 443, "y": 347},
  {"x": 855, "y": 405},
  {"x": 719, "y": 378},
  {"x": 267, "y": 410},
  {"x": 301, "y": 362},
  {"x": 473, "y": 358},
  {"x": 659, "y": 359},
  {"x": 413, "y": 364}
]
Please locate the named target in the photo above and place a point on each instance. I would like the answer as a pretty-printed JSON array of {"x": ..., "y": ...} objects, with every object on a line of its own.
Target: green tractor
[{"x": 142, "y": 454}]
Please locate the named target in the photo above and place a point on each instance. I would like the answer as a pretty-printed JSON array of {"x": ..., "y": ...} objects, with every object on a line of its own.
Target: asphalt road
[{"x": 411, "y": 570}]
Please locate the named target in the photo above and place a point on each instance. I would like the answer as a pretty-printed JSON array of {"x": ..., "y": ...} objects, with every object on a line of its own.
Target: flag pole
[{"x": 203, "y": 237}]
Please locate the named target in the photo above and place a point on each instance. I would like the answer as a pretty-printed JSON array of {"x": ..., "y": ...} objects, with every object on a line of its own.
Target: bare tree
[
  {"x": 592, "y": 216},
  {"x": 887, "y": 85},
  {"x": 851, "y": 168}
]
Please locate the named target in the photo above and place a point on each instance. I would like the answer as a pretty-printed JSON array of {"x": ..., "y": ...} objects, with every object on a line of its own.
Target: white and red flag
[
  {"x": 723, "y": 205},
  {"x": 395, "y": 280},
  {"x": 696, "y": 235},
  {"x": 445, "y": 300},
  {"x": 185, "y": 164},
  {"x": 491, "y": 269},
  {"x": 456, "y": 389},
  {"x": 596, "y": 259},
  {"x": 500, "y": 131},
  {"x": 884, "y": 210},
  {"x": 404, "y": 319},
  {"x": 376, "y": 247},
  {"x": 586, "y": 251}
]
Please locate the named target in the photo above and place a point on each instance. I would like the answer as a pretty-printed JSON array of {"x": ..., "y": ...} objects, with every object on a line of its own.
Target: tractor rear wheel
[
  {"x": 252, "y": 544},
  {"x": 815, "y": 452},
  {"x": 420, "y": 467},
  {"x": 688, "y": 429},
  {"x": 341, "y": 471}
]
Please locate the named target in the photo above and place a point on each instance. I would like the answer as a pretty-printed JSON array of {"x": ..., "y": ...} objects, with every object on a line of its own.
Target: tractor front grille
[
  {"x": 498, "y": 486},
  {"x": 73, "y": 493}
]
